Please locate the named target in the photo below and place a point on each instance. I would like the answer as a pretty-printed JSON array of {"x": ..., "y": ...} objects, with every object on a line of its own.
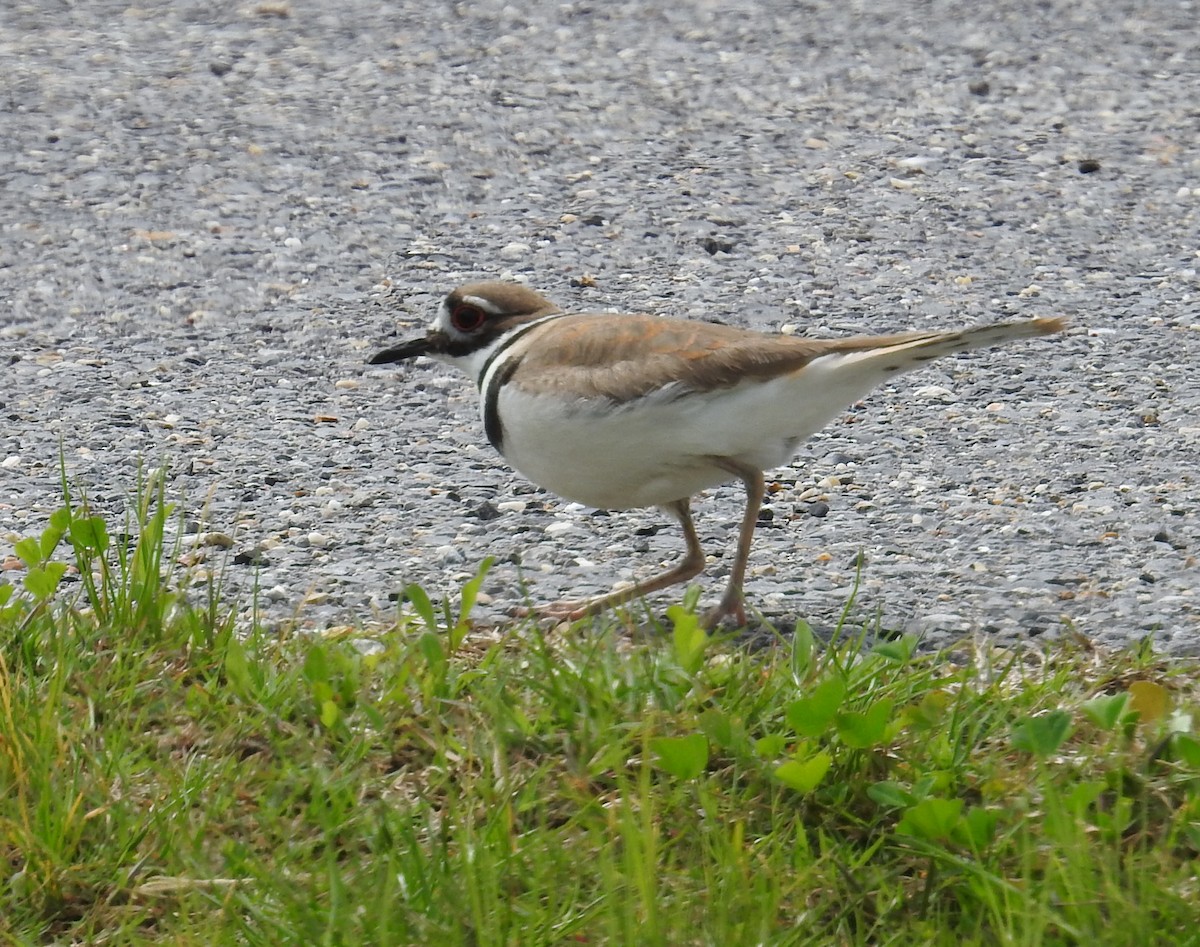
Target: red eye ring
[{"x": 465, "y": 317}]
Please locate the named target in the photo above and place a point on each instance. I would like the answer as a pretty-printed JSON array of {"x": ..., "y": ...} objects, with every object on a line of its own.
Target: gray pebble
[{"x": 223, "y": 246}]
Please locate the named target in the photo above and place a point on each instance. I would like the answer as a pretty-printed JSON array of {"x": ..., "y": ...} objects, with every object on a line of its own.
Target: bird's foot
[{"x": 730, "y": 610}]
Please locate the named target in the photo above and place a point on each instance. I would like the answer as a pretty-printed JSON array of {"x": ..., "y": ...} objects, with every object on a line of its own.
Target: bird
[{"x": 623, "y": 411}]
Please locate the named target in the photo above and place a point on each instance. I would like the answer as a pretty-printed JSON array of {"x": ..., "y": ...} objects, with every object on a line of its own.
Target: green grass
[{"x": 165, "y": 778}]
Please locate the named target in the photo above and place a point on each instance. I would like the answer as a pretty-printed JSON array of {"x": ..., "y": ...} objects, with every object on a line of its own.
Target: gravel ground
[{"x": 213, "y": 212}]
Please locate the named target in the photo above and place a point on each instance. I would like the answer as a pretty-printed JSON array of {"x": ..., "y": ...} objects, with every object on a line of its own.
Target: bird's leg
[
  {"x": 731, "y": 605},
  {"x": 688, "y": 567}
]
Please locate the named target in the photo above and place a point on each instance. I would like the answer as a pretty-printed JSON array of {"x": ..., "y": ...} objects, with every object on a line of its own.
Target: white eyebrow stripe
[{"x": 485, "y": 304}]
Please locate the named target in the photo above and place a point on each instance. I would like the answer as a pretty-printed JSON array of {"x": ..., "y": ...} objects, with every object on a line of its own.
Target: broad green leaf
[
  {"x": 1107, "y": 710},
  {"x": 470, "y": 591},
  {"x": 51, "y": 535},
  {"x": 770, "y": 746},
  {"x": 41, "y": 581},
  {"x": 316, "y": 664},
  {"x": 430, "y": 646},
  {"x": 937, "y": 780},
  {"x": 689, "y": 639},
  {"x": 867, "y": 729},
  {"x": 899, "y": 650},
  {"x": 28, "y": 551},
  {"x": 977, "y": 828},
  {"x": 930, "y": 712},
  {"x": 803, "y": 646},
  {"x": 420, "y": 602},
  {"x": 718, "y": 727},
  {"x": 1186, "y": 749},
  {"x": 237, "y": 669},
  {"x": 682, "y": 757},
  {"x": 810, "y": 716},
  {"x": 804, "y": 775},
  {"x": 322, "y": 691},
  {"x": 90, "y": 533},
  {"x": 891, "y": 794},
  {"x": 931, "y": 819},
  {"x": 329, "y": 713},
  {"x": 1042, "y": 735},
  {"x": 1083, "y": 795}
]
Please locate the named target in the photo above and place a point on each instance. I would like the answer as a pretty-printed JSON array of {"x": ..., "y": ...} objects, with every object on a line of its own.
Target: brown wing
[{"x": 624, "y": 357}]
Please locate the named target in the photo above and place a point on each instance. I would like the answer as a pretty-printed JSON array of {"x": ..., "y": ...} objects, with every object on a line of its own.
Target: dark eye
[{"x": 467, "y": 318}]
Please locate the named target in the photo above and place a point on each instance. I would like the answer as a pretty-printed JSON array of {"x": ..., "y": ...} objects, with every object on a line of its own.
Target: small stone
[
  {"x": 449, "y": 554},
  {"x": 514, "y": 251},
  {"x": 715, "y": 245},
  {"x": 251, "y": 557},
  {"x": 932, "y": 393},
  {"x": 917, "y": 164},
  {"x": 487, "y": 510}
]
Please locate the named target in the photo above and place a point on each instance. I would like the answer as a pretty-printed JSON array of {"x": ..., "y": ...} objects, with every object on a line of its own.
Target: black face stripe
[
  {"x": 493, "y": 427},
  {"x": 460, "y": 347}
]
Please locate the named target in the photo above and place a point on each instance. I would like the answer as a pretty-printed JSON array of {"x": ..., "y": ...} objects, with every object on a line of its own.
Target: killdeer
[{"x": 626, "y": 411}]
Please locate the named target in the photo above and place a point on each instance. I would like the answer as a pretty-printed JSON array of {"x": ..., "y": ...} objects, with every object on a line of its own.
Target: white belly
[{"x": 657, "y": 451}]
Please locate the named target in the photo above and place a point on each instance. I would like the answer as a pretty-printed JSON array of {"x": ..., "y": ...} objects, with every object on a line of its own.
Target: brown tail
[{"x": 898, "y": 353}]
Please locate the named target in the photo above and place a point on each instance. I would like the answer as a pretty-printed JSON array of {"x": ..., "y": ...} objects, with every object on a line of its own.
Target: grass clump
[{"x": 163, "y": 778}]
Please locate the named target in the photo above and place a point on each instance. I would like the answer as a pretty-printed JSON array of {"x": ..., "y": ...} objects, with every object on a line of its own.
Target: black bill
[{"x": 405, "y": 350}]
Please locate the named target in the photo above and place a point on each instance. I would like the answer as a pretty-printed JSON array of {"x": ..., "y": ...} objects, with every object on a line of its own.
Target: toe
[{"x": 732, "y": 612}]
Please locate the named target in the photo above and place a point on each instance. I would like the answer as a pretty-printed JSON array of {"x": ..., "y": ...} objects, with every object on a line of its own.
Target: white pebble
[{"x": 514, "y": 251}]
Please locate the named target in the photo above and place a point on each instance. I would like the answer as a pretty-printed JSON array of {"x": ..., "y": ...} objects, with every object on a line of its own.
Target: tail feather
[
  {"x": 850, "y": 368},
  {"x": 900, "y": 353}
]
